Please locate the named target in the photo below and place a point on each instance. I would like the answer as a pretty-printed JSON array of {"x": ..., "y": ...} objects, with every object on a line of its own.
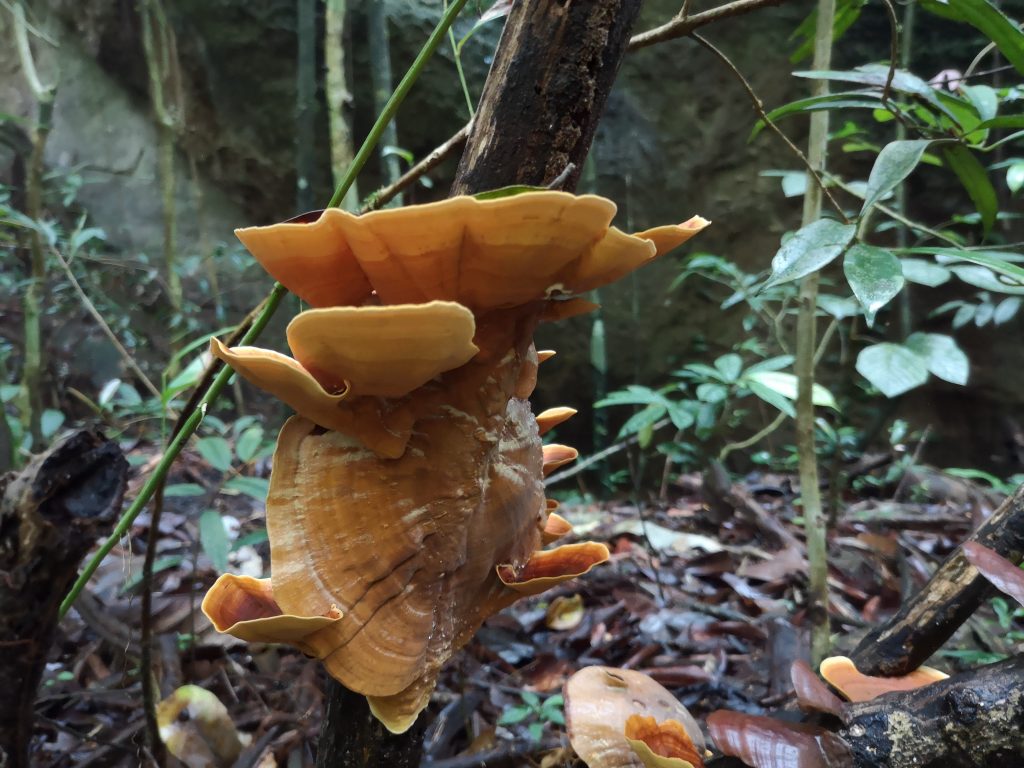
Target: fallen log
[{"x": 51, "y": 514}]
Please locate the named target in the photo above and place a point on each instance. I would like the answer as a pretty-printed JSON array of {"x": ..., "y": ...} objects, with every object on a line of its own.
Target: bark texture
[
  {"x": 952, "y": 594},
  {"x": 973, "y": 720},
  {"x": 547, "y": 87},
  {"x": 50, "y": 516},
  {"x": 544, "y": 95}
]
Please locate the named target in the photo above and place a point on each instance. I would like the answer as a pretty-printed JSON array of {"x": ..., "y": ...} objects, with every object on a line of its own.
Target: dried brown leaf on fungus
[{"x": 406, "y": 500}]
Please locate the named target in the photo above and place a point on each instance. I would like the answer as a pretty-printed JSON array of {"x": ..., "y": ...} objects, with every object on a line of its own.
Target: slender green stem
[
  {"x": 395, "y": 101},
  {"x": 273, "y": 300},
  {"x": 457, "y": 54},
  {"x": 187, "y": 429}
]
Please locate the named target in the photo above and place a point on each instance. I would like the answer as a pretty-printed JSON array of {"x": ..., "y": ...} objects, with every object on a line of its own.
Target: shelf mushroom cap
[
  {"x": 484, "y": 254},
  {"x": 600, "y": 703},
  {"x": 842, "y": 674}
]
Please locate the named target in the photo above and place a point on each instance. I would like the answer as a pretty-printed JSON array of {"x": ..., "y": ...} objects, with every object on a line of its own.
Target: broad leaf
[
  {"x": 941, "y": 355},
  {"x": 217, "y": 452},
  {"x": 786, "y": 385},
  {"x": 990, "y": 21},
  {"x": 844, "y": 100},
  {"x": 810, "y": 249},
  {"x": 772, "y": 397},
  {"x": 875, "y": 276},
  {"x": 975, "y": 180},
  {"x": 894, "y": 163},
  {"x": 249, "y": 443},
  {"x": 997, "y": 261},
  {"x": 214, "y": 539},
  {"x": 892, "y": 368},
  {"x": 729, "y": 366},
  {"x": 924, "y": 272},
  {"x": 838, "y": 306}
]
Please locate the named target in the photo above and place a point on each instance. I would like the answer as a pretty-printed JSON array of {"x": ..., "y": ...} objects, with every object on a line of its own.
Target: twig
[
  {"x": 759, "y": 108},
  {"x": 28, "y": 65},
  {"x": 894, "y": 51},
  {"x": 754, "y": 438},
  {"x": 423, "y": 167},
  {"x": 895, "y": 215},
  {"x": 560, "y": 179},
  {"x": 681, "y": 26},
  {"x": 583, "y": 464},
  {"x": 91, "y": 309}
]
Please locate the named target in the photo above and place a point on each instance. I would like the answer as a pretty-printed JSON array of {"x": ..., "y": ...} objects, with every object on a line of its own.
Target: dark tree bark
[
  {"x": 51, "y": 514},
  {"x": 952, "y": 594},
  {"x": 546, "y": 90},
  {"x": 972, "y": 720},
  {"x": 547, "y": 87}
]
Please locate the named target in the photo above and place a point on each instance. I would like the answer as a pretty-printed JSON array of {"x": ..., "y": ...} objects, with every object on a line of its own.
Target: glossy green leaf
[
  {"x": 217, "y": 452},
  {"x": 50, "y": 421},
  {"x": 941, "y": 355},
  {"x": 984, "y": 98},
  {"x": 892, "y": 368},
  {"x": 998, "y": 261},
  {"x": 894, "y": 163},
  {"x": 838, "y": 306},
  {"x": 987, "y": 19},
  {"x": 1003, "y": 121},
  {"x": 975, "y": 180},
  {"x": 875, "y": 275},
  {"x": 214, "y": 539},
  {"x": 925, "y": 272},
  {"x": 1006, "y": 310},
  {"x": 1015, "y": 177},
  {"x": 729, "y": 366},
  {"x": 810, "y": 249},
  {"x": 772, "y": 397},
  {"x": 786, "y": 385},
  {"x": 183, "y": 489}
]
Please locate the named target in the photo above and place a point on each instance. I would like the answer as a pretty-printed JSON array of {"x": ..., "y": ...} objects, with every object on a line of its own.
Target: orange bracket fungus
[
  {"x": 406, "y": 500},
  {"x": 619, "y": 718},
  {"x": 843, "y": 675}
]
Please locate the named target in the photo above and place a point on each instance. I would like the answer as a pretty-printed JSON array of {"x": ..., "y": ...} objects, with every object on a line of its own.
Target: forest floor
[{"x": 711, "y": 611}]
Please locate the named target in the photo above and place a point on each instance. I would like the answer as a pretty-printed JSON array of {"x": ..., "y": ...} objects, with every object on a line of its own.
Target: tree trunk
[
  {"x": 564, "y": 57},
  {"x": 51, "y": 514}
]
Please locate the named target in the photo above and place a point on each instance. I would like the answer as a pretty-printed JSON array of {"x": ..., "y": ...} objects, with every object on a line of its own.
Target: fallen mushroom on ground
[
  {"x": 406, "y": 501},
  {"x": 621, "y": 718}
]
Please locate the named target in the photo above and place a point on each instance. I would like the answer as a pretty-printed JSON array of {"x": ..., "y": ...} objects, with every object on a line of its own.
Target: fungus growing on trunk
[
  {"x": 843, "y": 675},
  {"x": 406, "y": 501},
  {"x": 621, "y": 718}
]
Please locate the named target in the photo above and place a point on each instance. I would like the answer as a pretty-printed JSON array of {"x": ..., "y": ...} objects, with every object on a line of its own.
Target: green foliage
[{"x": 535, "y": 713}]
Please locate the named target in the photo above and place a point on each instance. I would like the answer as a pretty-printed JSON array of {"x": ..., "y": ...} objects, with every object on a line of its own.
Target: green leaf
[
  {"x": 514, "y": 715},
  {"x": 982, "y": 277},
  {"x": 1006, "y": 310},
  {"x": 1003, "y": 121},
  {"x": 183, "y": 489},
  {"x": 975, "y": 180},
  {"x": 987, "y": 19},
  {"x": 771, "y": 364},
  {"x": 892, "y": 368},
  {"x": 530, "y": 698},
  {"x": 50, "y": 422},
  {"x": 729, "y": 366},
  {"x": 634, "y": 394},
  {"x": 254, "y": 487},
  {"x": 710, "y": 392},
  {"x": 941, "y": 355},
  {"x": 536, "y": 730},
  {"x": 924, "y": 272},
  {"x": 251, "y": 539},
  {"x": 217, "y": 452},
  {"x": 249, "y": 443},
  {"x": 838, "y": 306},
  {"x": 771, "y": 397},
  {"x": 844, "y": 100},
  {"x": 894, "y": 163},
  {"x": 875, "y": 275},
  {"x": 998, "y": 261},
  {"x": 187, "y": 378},
  {"x": 984, "y": 99},
  {"x": 1015, "y": 177},
  {"x": 786, "y": 385},
  {"x": 511, "y": 191},
  {"x": 810, "y": 249},
  {"x": 642, "y": 420},
  {"x": 214, "y": 539}
]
